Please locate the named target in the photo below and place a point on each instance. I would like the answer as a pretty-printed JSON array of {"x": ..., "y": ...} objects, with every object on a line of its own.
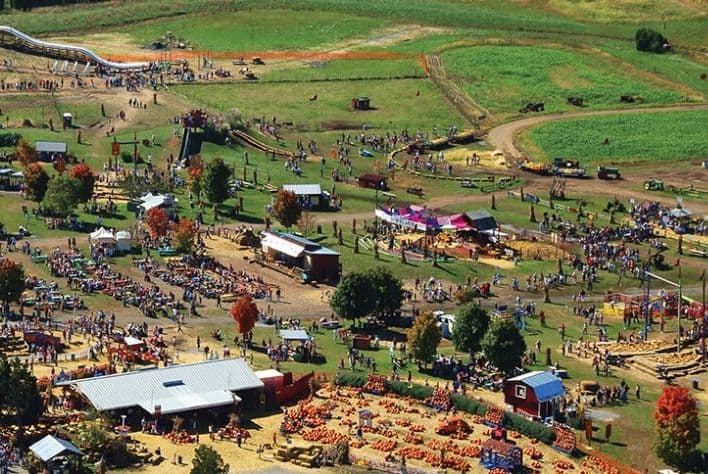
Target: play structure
[
  {"x": 497, "y": 454},
  {"x": 13, "y": 39}
]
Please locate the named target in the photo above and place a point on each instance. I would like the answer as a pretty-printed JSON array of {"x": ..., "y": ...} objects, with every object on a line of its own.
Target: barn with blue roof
[{"x": 535, "y": 394}]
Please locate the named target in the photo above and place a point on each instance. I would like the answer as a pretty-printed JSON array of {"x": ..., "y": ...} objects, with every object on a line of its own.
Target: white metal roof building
[
  {"x": 172, "y": 389},
  {"x": 303, "y": 189}
]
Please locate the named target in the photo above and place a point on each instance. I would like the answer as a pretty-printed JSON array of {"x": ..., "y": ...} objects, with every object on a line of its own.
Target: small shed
[
  {"x": 481, "y": 220},
  {"x": 536, "y": 394},
  {"x": 309, "y": 196},
  {"x": 67, "y": 120},
  {"x": 373, "y": 181},
  {"x": 361, "y": 103},
  {"x": 500, "y": 454},
  {"x": 50, "y": 151},
  {"x": 366, "y": 418},
  {"x": 50, "y": 447}
]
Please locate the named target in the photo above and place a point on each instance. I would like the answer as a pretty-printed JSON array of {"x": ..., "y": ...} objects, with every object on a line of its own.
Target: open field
[
  {"x": 352, "y": 69},
  {"x": 677, "y": 136},
  {"x": 505, "y": 78},
  {"x": 395, "y": 104}
]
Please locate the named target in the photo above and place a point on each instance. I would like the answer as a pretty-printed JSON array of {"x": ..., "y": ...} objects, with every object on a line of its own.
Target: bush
[
  {"x": 651, "y": 41},
  {"x": 350, "y": 379},
  {"x": 9, "y": 139},
  {"x": 469, "y": 405},
  {"x": 529, "y": 428},
  {"x": 419, "y": 392}
]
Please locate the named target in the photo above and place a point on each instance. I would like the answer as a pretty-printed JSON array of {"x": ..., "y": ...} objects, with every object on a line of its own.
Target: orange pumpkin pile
[
  {"x": 411, "y": 438},
  {"x": 565, "y": 439},
  {"x": 597, "y": 463},
  {"x": 534, "y": 453},
  {"x": 441, "y": 399},
  {"x": 412, "y": 452},
  {"x": 563, "y": 465},
  {"x": 324, "y": 435},
  {"x": 386, "y": 445},
  {"x": 494, "y": 416},
  {"x": 417, "y": 428},
  {"x": 375, "y": 384}
]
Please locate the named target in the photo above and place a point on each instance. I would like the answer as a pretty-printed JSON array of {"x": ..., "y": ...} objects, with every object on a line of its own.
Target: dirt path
[{"x": 503, "y": 136}]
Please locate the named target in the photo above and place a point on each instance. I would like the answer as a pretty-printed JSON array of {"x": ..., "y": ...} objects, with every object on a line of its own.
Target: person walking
[{"x": 636, "y": 391}]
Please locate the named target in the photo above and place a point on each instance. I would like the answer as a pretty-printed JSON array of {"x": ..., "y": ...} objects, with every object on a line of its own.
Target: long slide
[{"x": 10, "y": 38}]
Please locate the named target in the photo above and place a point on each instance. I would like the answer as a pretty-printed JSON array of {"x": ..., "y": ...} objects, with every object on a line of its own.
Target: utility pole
[{"x": 678, "y": 306}]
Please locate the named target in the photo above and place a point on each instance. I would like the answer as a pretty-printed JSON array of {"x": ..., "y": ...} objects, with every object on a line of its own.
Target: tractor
[{"x": 654, "y": 185}]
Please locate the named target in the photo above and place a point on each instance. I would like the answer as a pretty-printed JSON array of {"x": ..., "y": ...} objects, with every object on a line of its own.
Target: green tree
[
  {"x": 36, "y": 181},
  {"x": 287, "y": 209},
  {"x": 424, "y": 337},
  {"x": 503, "y": 345},
  {"x": 63, "y": 194},
  {"x": 677, "y": 428},
  {"x": 471, "y": 324},
  {"x": 20, "y": 402},
  {"x": 354, "y": 297},
  {"x": 208, "y": 461},
  {"x": 388, "y": 291},
  {"x": 216, "y": 180},
  {"x": 12, "y": 280},
  {"x": 649, "y": 40}
]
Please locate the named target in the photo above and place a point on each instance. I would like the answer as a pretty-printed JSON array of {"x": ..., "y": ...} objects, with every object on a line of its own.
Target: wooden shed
[
  {"x": 373, "y": 181},
  {"x": 536, "y": 394}
]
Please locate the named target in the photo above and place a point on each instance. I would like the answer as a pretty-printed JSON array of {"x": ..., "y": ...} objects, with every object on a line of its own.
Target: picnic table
[{"x": 39, "y": 258}]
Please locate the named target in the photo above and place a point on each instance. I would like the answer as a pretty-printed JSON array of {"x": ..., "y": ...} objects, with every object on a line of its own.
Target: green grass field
[
  {"x": 347, "y": 69},
  {"x": 259, "y": 31},
  {"x": 504, "y": 78},
  {"x": 396, "y": 105},
  {"x": 675, "y": 136}
]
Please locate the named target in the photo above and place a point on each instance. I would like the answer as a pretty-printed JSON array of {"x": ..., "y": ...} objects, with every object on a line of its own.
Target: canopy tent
[
  {"x": 102, "y": 236},
  {"x": 680, "y": 212},
  {"x": 50, "y": 447},
  {"x": 123, "y": 240},
  {"x": 149, "y": 201}
]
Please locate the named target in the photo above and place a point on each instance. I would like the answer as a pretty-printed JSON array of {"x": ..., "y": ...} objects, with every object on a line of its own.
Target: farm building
[
  {"x": 481, "y": 220},
  {"x": 50, "y": 151},
  {"x": 172, "y": 389},
  {"x": 536, "y": 394},
  {"x": 10, "y": 179},
  {"x": 50, "y": 448},
  {"x": 373, "y": 181},
  {"x": 309, "y": 196},
  {"x": 317, "y": 263}
]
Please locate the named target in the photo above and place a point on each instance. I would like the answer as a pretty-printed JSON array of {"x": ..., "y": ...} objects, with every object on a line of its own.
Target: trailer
[
  {"x": 567, "y": 168},
  {"x": 606, "y": 172}
]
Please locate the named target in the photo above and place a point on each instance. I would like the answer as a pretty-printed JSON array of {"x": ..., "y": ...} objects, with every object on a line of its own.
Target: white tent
[
  {"x": 50, "y": 447},
  {"x": 102, "y": 236},
  {"x": 123, "y": 240},
  {"x": 149, "y": 200}
]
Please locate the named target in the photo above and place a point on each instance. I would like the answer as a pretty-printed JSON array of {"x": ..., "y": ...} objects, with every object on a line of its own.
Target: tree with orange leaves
[
  {"x": 36, "y": 181},
  {"x": 245, "y": 312},
  {"x": 184, "y": 235},
  {"x": 25, "y": 152},
  {"x": 196, "y": 175},
  {"x": 157, "y": 222},
  {"x": 83, "y": 173},
  {"x": 677, "y": 428}
]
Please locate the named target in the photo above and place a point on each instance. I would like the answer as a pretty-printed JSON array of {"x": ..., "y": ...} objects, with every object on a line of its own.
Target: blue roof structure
[{"x": 545, "y": 385}]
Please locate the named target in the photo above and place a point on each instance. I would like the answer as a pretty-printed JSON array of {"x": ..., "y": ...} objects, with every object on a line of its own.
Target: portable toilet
[{"x": 67, "y": 119}]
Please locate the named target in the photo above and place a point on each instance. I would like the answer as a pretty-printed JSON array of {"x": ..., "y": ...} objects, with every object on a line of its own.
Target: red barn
[{"x": 536, "y": 394}]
